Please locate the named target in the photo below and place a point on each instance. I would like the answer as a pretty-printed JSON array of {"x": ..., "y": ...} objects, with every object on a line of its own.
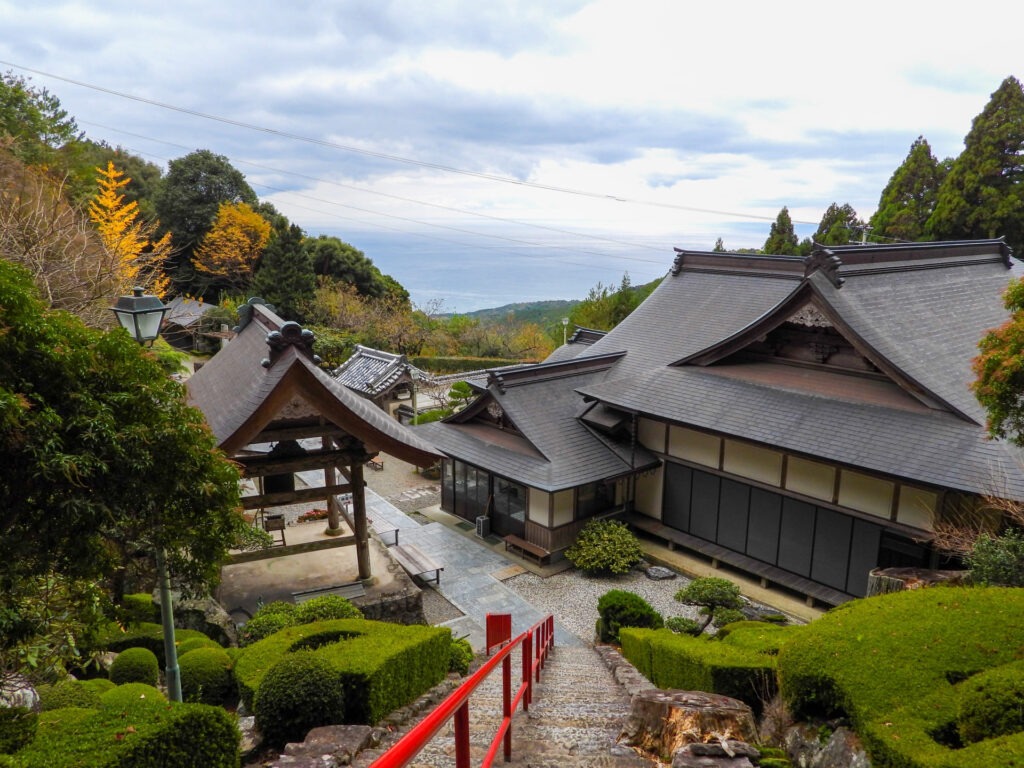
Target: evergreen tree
[
  {"x": 839, "y": 225},
  {"x": 782, "y": 240},
  {"x": 285, "y": 274},
  {"x": 909, "y": 198},
  {"x": 719, "y": 246},
  {"x": 983, "y": 194}
]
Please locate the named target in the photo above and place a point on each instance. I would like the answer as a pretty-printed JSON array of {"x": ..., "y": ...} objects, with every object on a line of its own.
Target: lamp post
[
  {"x": 142, "y": 316},
  {"x": 565, "y": 327}
]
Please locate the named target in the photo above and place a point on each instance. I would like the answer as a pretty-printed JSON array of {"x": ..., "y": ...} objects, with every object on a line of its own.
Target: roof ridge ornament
[
  {"x": 245, "y": 312},
  {"x": 827, "y": 261},
  {"x": 291, "y": 335}
]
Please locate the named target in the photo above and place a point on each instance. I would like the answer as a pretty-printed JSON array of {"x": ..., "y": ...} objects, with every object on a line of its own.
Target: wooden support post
[
  {"x": 331, "y": 478},
  {"x": 362, "y": 530}
]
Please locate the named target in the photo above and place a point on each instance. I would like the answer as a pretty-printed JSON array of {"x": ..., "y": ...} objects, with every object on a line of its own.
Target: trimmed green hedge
[
  {"x": 206, "y": 676},
  {"x": 135, "y": 665},
  {"x": 144, "y": 635},
  {"x": 381, "y": 666},
  {"x": 142, "y": 733},
  {"x": 892, "y": 663},
  {"x": 617, "y": 609},
  {"x": 740, "y": 663}
]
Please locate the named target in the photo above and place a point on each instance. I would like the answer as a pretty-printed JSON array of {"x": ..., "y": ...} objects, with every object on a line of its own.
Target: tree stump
[
  {"x": 884, "y": 580},
  {"x": 660, "y": 722}
]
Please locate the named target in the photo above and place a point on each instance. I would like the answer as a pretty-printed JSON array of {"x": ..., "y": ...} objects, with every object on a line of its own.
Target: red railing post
[
  {"x": 506, "y": 706},
  {"x": 527, "y": 670},
  {"x": 462, "y": 736}
]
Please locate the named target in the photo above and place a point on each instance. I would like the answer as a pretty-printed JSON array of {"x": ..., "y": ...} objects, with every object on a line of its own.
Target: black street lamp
[{"x": 142, "y": 316}]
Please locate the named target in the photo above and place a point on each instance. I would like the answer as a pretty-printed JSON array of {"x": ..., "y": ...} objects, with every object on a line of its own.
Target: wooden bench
[
  {"x": 349, "y": 591},
  {"x": 766, "y": 572},
  {"x": 383, "y": 528},
  {"x": 416, "y": 562},
  {"x": 526, "y": 549},
  {"x": 376, "y": 464}
]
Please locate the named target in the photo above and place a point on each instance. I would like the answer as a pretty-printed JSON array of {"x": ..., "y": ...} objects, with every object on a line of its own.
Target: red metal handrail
[{"x": 539, "y": 637}]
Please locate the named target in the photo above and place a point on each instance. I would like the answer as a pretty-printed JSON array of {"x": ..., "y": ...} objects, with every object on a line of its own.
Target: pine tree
[
  {"x": 127, "y": 237},
  {"x": 285, "y": 275},
  {"x": 983, "y": 194},
  {"x": 719, "y": 246},
  {"x": 782, "y": 239},
  {"x": 910, "y": 196},
  {"x": 839, "y": 225}
]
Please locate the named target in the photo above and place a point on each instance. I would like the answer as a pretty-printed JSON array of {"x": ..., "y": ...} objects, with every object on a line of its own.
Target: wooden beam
[
  {"x": 254, "y": 466},
  {"x": 290, "y": 549},
  {"x": 299, "y": 433},
  {"x": 294, "y": 497}
]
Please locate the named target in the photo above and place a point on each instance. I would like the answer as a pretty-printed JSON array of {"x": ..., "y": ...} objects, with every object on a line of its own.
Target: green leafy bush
[
  {"x": 194, "y": 643},
  {"x": 605, "y": 546},
  {"x": 149, "y": 635},
  {"x": 618, "y": 608},
  {"x": 719, "y": 600},
  {"x": 382, "y": 666},
  {"x": 998, "y": 560},
  {"x": 133, "y": 733},
  {"x": 68, "y": 693},
  {"x": 131, "y": 694},
  {"x": 325, "y": 608},
  {"x": 135, "y": 665},
  {"x": 991, "y": 703},
  {"x": 460, "y": 655},
  {"x": 889, "y": 663},
  {"x": 206, "y": 676},
  {"x": 740, "y": 664},
  {"x": 139, "y": 607},
  {"x": 301, "y": 691},
  {"x": 683, "y": 626},
  {"x": 18, "y": 727}
]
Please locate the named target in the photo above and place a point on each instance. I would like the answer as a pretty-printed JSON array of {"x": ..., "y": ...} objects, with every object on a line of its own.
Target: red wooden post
[
  {"x": 499, "y": 629},
  {"x": 506, "y": 703},
  {"x": 527, "y": 670},
  {"x": 462, "y": 736}
]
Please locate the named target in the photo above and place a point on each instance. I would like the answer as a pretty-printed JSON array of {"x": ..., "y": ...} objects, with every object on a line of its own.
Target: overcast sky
[{"x": 489, "y": 152}]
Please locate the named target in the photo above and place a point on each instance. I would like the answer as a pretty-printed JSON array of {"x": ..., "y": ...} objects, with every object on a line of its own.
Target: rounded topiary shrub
[
  {"x": 300, "y": 692},
  {"x": 270, "y": 618},
  {"x": 196, "y": 642},
  {"x": 206, "y": 677},
  {"x": 460, "y": 655},
  {"x": 17, "y": 728},
  {"x": 992, "y": 703},
  {"x": 618, "y": 608},
  {"x": 135, "y": 665},
  {"x": 129, "y": 694},
  {"x": 325, "y": 608},
  {"x": 68, "y": 693},
  {"x": 138, "y": 608},
  {"x": 605, "y": 546}
]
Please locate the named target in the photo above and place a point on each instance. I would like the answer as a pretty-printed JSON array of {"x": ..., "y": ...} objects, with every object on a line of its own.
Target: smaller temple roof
[
  {"x": 373, "y": 372},
  {"x": 185, "y": 311}
]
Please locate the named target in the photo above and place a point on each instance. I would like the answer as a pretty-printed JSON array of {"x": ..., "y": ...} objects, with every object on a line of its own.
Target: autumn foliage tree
[
  {"x": 139, "y": 257},
  {"x": 227, "y": 255}
]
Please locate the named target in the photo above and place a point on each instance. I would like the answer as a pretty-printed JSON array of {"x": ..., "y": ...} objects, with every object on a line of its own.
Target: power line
[{"x": 390, "y": 157}]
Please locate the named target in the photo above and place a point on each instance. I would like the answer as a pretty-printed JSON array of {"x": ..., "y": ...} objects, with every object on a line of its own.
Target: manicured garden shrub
[
  {"x": 460, "y": 655},
  {"x": 740, "y": 665},
  {"x": 195, "y": 642},
  {"x": 301, "y": 691},
  {"x": 135, "y": 665},
  {"x": 131, "y": 694},
  {"x": 134, "y": 733},
  {"x": 719, "y": 600},
  {"x": 17, "y": 728},
  {"x": 683, "y": 626},
  {"x": 605, "y": 546},
  {"x": 618, "y": 608},
  {"x": 139, "y": 608},
  {"x": 98, "y": 684},
  {"x": 889, "y": 664},
  {"x": 206, "y": 676},
  {"x": 991, "y": 703},
  {"x": 145, "y": 635},
  {"x": 325, "y": 608},
  {"x": 998, "y": 560},
  {"x": 382, "y": 666},
  {"x": 68, "y": 693}
]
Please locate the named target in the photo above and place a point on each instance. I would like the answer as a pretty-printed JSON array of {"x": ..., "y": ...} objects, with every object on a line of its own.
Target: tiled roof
[
  {"x": 239, "y": 395},
  {"x": 372, "y": 372},
  {"x": 184, "y": 311}
]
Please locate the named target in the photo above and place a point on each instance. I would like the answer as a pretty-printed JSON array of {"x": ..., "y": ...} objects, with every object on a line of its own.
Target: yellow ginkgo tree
[
  {"x": 128, "y": 236},
  {"x": 229, "y": 251}
]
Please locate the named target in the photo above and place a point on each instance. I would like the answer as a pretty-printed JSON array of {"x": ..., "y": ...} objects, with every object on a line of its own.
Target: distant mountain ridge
[{"x": 540, "y": 312}]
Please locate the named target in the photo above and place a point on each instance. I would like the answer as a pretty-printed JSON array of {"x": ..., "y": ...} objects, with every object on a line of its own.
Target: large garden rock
[
  {"x": 17, "y": 691},
  {"x": 725, "y": 754},
  {"x": 663, "y": 721},
  {"x": 327, "y": 746},
  {"x": 205, "y": 615},
  {"x": 807, "y": 748}
]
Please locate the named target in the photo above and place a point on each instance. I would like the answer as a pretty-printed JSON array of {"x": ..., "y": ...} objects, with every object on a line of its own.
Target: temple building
[{"x": 803, "y": 420}]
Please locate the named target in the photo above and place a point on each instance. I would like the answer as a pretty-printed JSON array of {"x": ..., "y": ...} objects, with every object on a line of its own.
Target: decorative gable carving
[{"x": 810, "y": 316}]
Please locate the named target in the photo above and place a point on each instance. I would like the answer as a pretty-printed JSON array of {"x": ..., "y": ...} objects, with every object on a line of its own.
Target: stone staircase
[{"x": 576, "y": 715}]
